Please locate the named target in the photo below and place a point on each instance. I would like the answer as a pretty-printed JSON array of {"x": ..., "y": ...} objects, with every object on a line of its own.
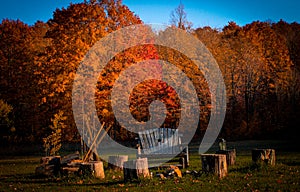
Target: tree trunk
[
  {"x": 215, "y": 164},
  {"x": 266, "y": 156},
  {"x": 136, "y": 169},
  {"x": 116, "y": 162},
  {"x": 230, "y": 156}
]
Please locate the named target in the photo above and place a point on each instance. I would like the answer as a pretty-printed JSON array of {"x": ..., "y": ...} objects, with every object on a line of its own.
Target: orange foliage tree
[{"x": 72, "y": 31}]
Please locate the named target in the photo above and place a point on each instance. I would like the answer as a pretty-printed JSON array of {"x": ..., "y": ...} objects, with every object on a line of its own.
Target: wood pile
[
  {"x": 50, "y": 166},
  {"x": 55, "y": 165}
]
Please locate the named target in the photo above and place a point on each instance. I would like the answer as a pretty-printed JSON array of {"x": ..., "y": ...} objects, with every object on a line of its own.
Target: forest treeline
[{"x": 260, "y": 64}]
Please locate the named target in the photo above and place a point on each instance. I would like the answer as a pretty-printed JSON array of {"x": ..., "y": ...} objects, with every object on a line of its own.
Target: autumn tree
[
  {"x": 72, "y": 31},
  {"x": 276, "y": 65},
  {"x": 18, "y": 49},
  {"x": 139, "y": 102},
  {"x": 178, "y": 18},
  {"x": 6, "y": 122},
  {"x": 255, "y": 64},
  {"x": 290, "y": 32},
  {"x": 53, "y": 142}
]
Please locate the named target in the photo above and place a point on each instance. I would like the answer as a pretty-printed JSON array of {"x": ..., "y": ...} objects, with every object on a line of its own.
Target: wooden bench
[{"x": 162, "y": 143}]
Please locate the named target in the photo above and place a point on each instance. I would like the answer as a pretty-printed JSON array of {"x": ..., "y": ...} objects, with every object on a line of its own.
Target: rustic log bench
[{"x": 162, "y": 143}]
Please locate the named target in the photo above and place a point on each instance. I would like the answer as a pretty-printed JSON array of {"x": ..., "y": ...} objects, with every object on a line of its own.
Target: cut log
[
  {"x": 50, "y": 160},
  {"x": 135, "y": 169},
  {"x": 45, "y": 170},
  {"x": 230, "y": 156},
  {"x": 70, "y": 169},
  {"x": 69, "y": 158},
  {"x": 116, "y": 162},
  {"x": 50, "y": 166},
  {"x": 266, "y": 156},
  {"x": 215, "y": 164},
  {"x": 92, "y": 169}
]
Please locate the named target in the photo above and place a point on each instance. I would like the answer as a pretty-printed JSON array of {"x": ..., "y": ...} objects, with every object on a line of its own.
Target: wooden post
[
  {"x": 135, "y": 169},
  {"x": 266, "y": 156},
  {"x": 93, "y": 169},
  {"x": 116, "y": 162},
  {"x": 215, "y": 164},
  {"x": 230, "y": 156}
]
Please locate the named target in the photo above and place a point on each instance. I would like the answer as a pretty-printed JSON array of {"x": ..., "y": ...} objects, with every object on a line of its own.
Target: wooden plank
[
  {"x": 175, "y": 142},
  {"x": 172, "y": 141},
  {"x": 141, "y": 140},
  {"x": 165, "y": 136},
  {"x": 147, "y": 144},
  {"x": 144, "y": 144},
  {"x": 158, "y": 138},
  {"x": 169, "y": 132},
  {"x": 154, "y": 140},
  {"x": 150, "y": 140}
]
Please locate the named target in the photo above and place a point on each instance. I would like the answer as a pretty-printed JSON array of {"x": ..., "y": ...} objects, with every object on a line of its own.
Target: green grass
[{"x": 17, "y": 174}]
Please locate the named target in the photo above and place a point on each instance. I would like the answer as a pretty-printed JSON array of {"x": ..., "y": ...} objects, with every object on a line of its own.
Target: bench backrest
[{"x": 160, "y": 141}]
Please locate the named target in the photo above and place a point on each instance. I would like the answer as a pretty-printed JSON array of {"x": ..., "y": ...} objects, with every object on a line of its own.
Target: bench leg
[
  {"x": 186, "y": 150},
  {"x": 184, "y": 161}
]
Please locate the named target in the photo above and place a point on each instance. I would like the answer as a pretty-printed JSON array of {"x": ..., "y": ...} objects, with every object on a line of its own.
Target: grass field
[{"x": 17, "y": 174}]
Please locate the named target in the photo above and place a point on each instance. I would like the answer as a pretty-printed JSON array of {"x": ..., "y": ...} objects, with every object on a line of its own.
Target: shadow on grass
[
  {"x": 26, "y": 178},
  {"x": 291, "y": 163},
  {"x": 68, "y": 181},
  {"x": 251, "y": 167}
]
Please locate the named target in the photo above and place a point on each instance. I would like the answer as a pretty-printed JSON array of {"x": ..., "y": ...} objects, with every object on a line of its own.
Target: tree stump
[
  {"x": 230, "y": 156},
  {"x": 215, "y": 164},
  {"x": 92, "y": 169},
  {"x": 116, "y": 162},
  {"x": 266, "y": 156},
  {"x": 135, "y": 169}
]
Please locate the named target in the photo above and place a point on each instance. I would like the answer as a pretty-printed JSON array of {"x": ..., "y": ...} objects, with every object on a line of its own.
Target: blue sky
[{"x": 214, "y": 13}]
